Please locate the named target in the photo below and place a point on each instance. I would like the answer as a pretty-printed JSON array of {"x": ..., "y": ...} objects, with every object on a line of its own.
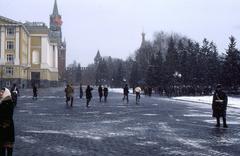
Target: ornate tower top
[
  {"x": 55, "y": 9},
  {"x": 55, "y": 25},
  {"x": 55, "y": 19}
]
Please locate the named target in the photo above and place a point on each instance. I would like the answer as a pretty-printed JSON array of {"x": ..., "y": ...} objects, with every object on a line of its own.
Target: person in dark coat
[
  {"x": 105, "y": 93},
  {"x": 35, "y": 92},
  {"x": 81, "y": 92},
  {"x": 219, "y": 105},
  {"x": 100, "y": 93},
  {"x": 7, "y": 136},
  {"x": 125, "y": 92},
  {"x": 14, "y": 94},
  {"x": 88, "y": 94}
]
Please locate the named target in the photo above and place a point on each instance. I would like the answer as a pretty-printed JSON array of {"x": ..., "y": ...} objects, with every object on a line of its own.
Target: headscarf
[{"x": 6, "y": 94}]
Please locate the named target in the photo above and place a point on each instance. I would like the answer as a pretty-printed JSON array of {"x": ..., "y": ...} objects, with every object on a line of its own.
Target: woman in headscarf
[{"x": 7, "y": 136}]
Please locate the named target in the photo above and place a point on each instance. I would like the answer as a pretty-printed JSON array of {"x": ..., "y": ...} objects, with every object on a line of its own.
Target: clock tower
[{"x": 56, "y": 37}]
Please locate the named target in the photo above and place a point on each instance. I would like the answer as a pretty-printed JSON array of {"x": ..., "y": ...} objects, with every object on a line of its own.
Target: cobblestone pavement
[{"x": 157, "y": 126}]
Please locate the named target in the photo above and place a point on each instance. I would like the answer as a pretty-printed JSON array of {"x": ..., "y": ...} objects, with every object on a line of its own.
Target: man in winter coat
[
  {"x": 105, "y": 93},
  {"x": 100, "y": 93},
  {"x": 88, "y": 95},
  {"x": 80, "y": 91},
  {"x": 125, "y": 92},
  {"x": 69, "y": 91},
  {"x": 219, "y": 105},
  {"x": 35, "y": 91},
  {"x": 7, "y": 136}
]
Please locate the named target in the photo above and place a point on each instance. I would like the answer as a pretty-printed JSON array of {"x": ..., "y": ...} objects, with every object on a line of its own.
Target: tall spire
[
  {"x": 143, "y": 39},
  {"x": 55, "y": 9}
]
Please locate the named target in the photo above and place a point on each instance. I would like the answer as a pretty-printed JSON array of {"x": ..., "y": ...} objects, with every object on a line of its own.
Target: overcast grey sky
[{"x": 114, "y": 26}]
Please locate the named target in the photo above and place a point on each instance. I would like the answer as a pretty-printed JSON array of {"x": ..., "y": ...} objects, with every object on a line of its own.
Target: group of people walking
[
  {"x": 137, "y": 91},
  {"x": 102, "y": 91},
  {"x": 69, "y": 92}
]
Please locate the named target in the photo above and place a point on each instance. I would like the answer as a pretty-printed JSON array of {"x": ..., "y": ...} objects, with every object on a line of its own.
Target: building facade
[
  {"x": 31, "y": 53},
  {"x": 26, "y": 54}
]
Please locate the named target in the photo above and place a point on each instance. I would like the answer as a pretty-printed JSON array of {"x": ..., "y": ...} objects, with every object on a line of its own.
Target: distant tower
[
  {"x": 56, "y": 36},
  {"x": 143, "y": 39}
]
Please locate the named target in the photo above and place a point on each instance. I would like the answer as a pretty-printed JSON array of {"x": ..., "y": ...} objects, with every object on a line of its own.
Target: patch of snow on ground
[
  {"x": 27, "y": 139},
  {"x": 232, "y": 101},
  {"x": 145, "y": 143},
  {"x": 197, "y": 115},
  {"x": 150, "y": 114},
  {"x": 65, "y": 150}
]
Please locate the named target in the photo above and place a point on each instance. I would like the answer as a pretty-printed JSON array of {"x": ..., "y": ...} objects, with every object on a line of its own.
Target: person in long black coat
[
  {"x": 100, "y": 93},
  {"x": 88, "y": 94},
  {"x": 105, "y": 93},
  {"x": 80, "y": 92},
  {"x": 35, "y": 92},
  {"x": 125, "y": 92},
  {"x": 219, "y": 105},
  {"x": 7, "y": 136}
]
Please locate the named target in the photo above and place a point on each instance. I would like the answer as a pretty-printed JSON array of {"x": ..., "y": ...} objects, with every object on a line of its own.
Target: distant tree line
[{"x": 172, "y": 63}]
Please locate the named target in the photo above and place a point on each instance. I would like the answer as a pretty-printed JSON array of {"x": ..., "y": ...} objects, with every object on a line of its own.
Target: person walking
[
  {"x": 14, "y": 94},
  {"x": 137, "y": 92},
  {"x": 100, "y": 93},
  {"x": 125, "y": 93},
  {"x": 35, "y": 91},
  {"x": 80, "y": 91},
  {"x": 7, "y": 136},
  {"x": 69, "y": 92},
  {"x": 219, "y": 105},
  {"x": 105, "y": 93},
  {"x": 88, "y": 95}
]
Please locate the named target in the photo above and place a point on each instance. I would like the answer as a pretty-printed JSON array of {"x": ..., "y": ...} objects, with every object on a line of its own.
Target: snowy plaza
[{"x": 157, "y": 126}]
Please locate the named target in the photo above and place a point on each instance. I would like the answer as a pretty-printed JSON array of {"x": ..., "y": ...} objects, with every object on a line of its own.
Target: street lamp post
[{"x": 176, "y": 76}]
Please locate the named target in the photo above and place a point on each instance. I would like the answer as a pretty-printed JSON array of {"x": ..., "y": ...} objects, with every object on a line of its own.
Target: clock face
[{"x": 58, "y": 21}]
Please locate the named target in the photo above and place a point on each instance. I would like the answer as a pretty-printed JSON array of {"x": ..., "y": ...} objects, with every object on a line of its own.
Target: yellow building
[{"x": 27, "y": 56}]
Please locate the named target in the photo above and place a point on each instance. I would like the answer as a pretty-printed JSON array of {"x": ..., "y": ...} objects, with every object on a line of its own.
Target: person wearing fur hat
[{"x": 7, "y": 136}]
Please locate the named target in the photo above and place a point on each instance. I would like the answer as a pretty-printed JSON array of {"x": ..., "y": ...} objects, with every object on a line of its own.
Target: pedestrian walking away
[
  {"x": 88, "y": 93},
  {"x": 137, "y": 92},
  {"x": 125, "y": 93},
  {"x": 105, "y": 93},
  {"x": 35, "y": 92},
  {"x": 7, "y": 136},
  {"x": 219, "y": 105},
  {"x": 14, "y": 94},
  {"x": 80, "y": 91},
  {"x": 100, "y": 93},
  {"x": 69, "y": 92}
]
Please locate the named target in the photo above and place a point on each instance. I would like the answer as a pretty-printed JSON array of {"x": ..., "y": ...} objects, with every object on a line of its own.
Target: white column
[
  {"x": 29, "y": 52},
  {"x": 2, "y": 33},
  {"x": 44, "y": 57},
  {"x": 17, "y": 47},
  {"x": 56, "y": 57}
]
